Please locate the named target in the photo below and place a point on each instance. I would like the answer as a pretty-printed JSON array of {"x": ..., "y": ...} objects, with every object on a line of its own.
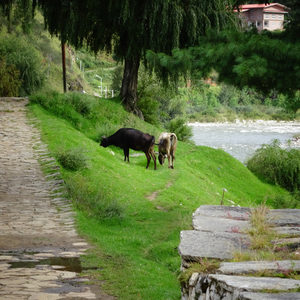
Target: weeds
[
  {"x": 96, "y": 204},
  {"x": 204, "y": 266},
  {"x": 282, "y": 201},
  {"x": 261, "y": 235},
  {"x": 277, "y": 165},
  {"x": 72, "y": 159}
]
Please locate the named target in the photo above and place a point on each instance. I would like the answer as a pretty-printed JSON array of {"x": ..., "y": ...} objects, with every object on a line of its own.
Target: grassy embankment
[{"x": 134, "y": 216}]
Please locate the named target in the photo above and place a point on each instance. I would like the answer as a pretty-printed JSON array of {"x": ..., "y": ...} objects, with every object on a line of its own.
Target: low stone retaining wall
[{"x": 218, "y": 234}]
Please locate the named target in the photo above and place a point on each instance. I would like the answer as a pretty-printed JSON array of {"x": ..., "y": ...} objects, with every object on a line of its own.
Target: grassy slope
[{"x": 137, "y": 257}]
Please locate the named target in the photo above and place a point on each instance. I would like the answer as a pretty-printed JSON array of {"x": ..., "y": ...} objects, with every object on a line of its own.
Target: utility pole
[{"x": 63, "y": 53}]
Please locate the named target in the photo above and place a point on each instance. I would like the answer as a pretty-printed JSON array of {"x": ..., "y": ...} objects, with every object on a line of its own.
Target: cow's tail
[{"x": 173, "y": 139}]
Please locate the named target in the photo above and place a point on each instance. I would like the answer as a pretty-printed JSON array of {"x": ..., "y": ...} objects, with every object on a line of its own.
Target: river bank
[{"x": 242, "y": 138}]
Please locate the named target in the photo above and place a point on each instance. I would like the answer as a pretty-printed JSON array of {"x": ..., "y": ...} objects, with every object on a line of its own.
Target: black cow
[{"x": 129, "y": 138}]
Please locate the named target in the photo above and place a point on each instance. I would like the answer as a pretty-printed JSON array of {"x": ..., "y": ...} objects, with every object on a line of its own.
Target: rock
[
  {"x": 219, "y": 225},
  {"x": 284, "y": 217},
  {"x": 225, "y": 285},
  {"x": 265, "y": 296},
  {"x": 222, "y": 211},
  {"x": 199, "y": 244},
  {"x": 250, "y": 267}
]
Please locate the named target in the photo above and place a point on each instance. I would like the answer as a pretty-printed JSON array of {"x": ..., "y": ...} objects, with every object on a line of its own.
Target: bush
[
  {"x": 26, "y": 59},
  {"x": 149, "y": 108},
  {"x": 81, "y": 103},
  {"x": 282, "y": 201},
  {"x": 10, "y": 82},
  {"x": 182, "y": 131},
  {"x": 72, "y": 159},
  {"x": 277, "y": 165}
]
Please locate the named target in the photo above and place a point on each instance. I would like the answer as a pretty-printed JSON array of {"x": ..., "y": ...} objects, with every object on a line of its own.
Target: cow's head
[
  {"x": 104, "y": 142},
  {"x": 161, "y": 158}
]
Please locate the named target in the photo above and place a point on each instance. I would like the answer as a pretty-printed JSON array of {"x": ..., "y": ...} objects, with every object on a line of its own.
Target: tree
[
  {"x": 261, "y": 60},
  {"x": 131, "y": 27}
]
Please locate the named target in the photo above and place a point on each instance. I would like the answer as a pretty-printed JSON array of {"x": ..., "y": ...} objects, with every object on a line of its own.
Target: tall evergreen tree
[{"x": 261, "y": 60}]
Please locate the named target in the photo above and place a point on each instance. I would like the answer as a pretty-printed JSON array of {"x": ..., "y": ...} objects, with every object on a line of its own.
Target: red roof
[{"x": 246, "y": 7}]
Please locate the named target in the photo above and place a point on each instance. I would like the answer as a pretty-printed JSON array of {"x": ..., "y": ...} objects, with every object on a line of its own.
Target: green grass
[{"x": 136, "y": 242}]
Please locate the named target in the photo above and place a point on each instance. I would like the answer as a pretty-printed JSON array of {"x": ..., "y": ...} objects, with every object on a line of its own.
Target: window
[
  {"x": 252, "y": 17},
  {"x": 266, "y": 16},
  {"x": 280, "y": 17},
  {"x": 266, "y": 23},
  {"x": 259, "y": 17},
  {"x": 252, "y": 11},
  {"x": 273, "y": 24},
  {"x": 258, "y": 24},
  {"x": 273, "y": 16}
]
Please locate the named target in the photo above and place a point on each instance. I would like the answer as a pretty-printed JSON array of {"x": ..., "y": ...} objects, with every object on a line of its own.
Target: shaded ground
[{"x": 39, "y": 246}]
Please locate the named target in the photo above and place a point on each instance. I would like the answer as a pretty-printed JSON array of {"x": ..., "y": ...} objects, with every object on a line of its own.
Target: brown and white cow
[{"x": 167, "y": 143}]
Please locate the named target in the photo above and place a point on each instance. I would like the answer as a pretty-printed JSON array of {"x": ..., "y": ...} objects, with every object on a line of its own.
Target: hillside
[
  {"x": 81, "y": 66},
  {"x": 134, "y": 216}
]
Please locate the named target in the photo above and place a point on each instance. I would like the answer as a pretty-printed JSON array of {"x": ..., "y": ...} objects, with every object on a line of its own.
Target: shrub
[
  {"x": 282, "y": 201},
  {"x": 149, "y": 108},
  {"x": 81, "y": 103},
  {"x": 72, "y": 159},
  {"x": 9, "y": 80},
  {"x": 26, "y": 59},
  {"x": 182, "y": 131},
  {"x": 277, "y": 165}
]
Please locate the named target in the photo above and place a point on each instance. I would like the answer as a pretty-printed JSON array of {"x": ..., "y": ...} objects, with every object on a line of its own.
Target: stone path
[{"x": 39, "y": 246}]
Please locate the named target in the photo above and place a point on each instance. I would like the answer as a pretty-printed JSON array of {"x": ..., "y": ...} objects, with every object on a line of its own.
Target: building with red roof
[{"x": 270, "y": 16}]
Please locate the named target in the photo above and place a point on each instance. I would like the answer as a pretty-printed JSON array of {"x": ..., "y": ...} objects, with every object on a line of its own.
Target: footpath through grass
[{"x": 131, "y": 215}]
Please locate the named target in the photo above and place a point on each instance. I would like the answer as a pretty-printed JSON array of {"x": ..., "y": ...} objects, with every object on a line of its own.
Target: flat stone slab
[
  {"x": 253, "y": 284},
  {"x": 292, "y": 243},
  {"x": 199, "y": 244},
  {"x": 222, "y": 211},
  {"x": 284, "y": 217},
  {"x": 292, "y": 231},
  {"x": 219, "y": 225},
  {"x": 265, "y": 296},
  {"x": 250, "y": 267}
]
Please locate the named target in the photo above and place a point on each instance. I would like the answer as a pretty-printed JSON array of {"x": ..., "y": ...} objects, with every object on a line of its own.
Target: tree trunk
[{"x": 129, "y": 86}]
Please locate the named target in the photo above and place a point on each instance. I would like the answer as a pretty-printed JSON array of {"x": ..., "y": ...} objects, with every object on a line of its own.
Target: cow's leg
[
  {"x": 169, "y": 159},
  {"x": 148, "y": 159},
  {"x": 153, "y": 157},
  {"x": 126, "y": 154},
  {"x": 173, "y": 157}
]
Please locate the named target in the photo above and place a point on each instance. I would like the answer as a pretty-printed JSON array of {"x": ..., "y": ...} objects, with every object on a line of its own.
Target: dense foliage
[
  {"x": 19, "y": 54},
  {"x": 130, "y": 28},
  {"x": 260, "y": 60},
  {"x": 10, "y": 82},
  {"x": 277, "y": 165}
]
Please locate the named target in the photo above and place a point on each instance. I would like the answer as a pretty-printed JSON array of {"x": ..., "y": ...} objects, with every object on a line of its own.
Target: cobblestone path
[{"x": 39, "y": 246}]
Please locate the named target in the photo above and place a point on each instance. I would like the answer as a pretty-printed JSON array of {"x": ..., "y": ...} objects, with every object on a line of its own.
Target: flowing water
[{"x": 242, "y": 138}]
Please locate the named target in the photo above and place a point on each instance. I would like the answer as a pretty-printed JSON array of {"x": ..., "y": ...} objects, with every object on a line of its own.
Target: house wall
[{"x": 270, "y": 18}]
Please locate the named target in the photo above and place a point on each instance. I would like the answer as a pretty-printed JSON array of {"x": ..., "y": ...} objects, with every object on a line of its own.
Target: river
[{"x": 242, "y": 138}]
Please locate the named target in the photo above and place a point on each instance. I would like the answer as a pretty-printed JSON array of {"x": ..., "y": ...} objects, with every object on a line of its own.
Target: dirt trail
[{"x": 39, "y": 246}]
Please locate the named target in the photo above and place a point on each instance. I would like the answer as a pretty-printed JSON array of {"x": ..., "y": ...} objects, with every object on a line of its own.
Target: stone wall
[{"x": 218, "y": 233}]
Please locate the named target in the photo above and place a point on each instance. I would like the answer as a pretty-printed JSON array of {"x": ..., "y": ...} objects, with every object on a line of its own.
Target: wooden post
[{"x": 63, "y": 53}]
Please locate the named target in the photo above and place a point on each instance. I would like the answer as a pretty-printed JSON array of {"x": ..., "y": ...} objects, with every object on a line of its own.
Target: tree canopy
[
  {"x": 262, "y": 60},
  {"x": 131, "y": 27}
]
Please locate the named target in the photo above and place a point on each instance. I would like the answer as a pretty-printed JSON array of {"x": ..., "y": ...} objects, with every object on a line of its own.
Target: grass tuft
[{"x": 72, "y": 159}]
